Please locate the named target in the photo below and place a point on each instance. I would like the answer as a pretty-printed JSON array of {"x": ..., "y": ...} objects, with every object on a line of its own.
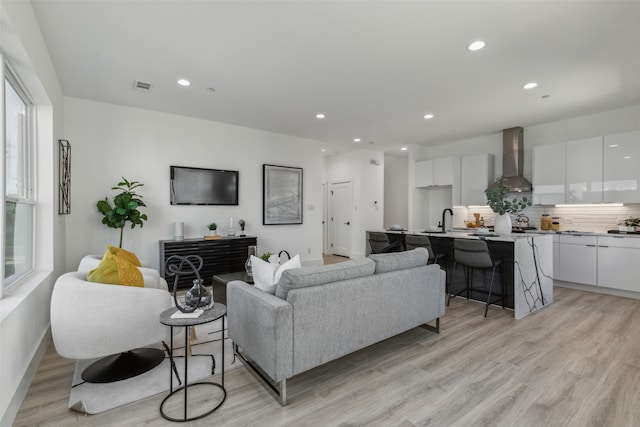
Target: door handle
[{"x": 347, "y": 223}]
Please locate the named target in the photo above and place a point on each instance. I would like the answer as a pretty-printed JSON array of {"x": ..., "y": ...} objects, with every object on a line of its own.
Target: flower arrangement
[{"x": 499, "y": 201}]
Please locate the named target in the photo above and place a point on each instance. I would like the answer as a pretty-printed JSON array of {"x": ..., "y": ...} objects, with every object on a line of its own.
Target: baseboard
[
  {"x": 597, "y": 289},
  {"x": 10, "y": 414}
]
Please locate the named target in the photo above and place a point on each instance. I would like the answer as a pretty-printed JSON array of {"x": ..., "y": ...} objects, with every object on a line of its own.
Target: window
[{"x": 19, "y": 200}]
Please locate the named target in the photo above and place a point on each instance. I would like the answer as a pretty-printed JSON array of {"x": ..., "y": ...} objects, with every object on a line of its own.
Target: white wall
[
  {"x": 368, "y": 188},
  {"x": 111, "y": 141},
  {"x": 24, "y": 310},
  {"x": 396, "y": 181}
]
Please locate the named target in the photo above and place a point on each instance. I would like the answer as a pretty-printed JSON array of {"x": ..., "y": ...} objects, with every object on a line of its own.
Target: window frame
[{"x": 28, "y": 197}]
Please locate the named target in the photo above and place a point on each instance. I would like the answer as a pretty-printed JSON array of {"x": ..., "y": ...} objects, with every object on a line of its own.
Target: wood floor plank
[{"x": 574, "y": 363}]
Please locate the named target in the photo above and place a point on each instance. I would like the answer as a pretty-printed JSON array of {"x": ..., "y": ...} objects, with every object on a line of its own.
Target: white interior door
[{"x": 340, "y": 218}]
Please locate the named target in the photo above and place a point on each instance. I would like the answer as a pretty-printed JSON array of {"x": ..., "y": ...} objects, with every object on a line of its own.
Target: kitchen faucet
[{"x": 444, "y": 228}]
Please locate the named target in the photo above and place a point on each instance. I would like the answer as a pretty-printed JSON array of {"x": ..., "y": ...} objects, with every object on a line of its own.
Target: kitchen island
[{"x": 527, "y": 259}]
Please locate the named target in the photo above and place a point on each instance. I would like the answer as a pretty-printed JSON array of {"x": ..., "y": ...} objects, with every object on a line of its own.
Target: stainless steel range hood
[{"x": 512, "y": 160}]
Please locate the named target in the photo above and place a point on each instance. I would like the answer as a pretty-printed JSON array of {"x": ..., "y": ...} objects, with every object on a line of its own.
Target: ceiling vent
[{"x": 142, "y": 86}]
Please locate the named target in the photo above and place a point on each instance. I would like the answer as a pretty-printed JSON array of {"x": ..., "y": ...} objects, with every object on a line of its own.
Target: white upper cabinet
[
  {"x": 584, "y": 170},
  {"x": 476, "y": 174},
  {"x": 443, "y": 171},
  {"x": 424, "y": 173},
  {"x": 621, "y": 171},
  {"x": 549, "y": 166},
  {"x": 438, "y": 172}
]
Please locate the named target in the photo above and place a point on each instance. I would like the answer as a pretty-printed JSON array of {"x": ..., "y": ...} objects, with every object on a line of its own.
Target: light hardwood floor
[{"x": 574, "y": 363}]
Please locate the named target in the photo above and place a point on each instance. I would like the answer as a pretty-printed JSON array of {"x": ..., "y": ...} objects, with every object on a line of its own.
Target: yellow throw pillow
[
  {"x": 123, "y": 253},
  {"x": 116, "y": 270}
]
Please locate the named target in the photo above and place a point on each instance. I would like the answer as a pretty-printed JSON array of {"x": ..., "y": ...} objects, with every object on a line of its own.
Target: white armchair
[{"x": 90, "y": 320}]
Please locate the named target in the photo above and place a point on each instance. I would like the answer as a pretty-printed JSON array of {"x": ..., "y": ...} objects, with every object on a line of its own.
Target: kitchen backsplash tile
[{"x": 597, "y": 219}]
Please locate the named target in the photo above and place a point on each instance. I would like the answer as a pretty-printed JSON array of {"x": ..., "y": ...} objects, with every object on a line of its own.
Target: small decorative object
[
  {"x": 251, "y": 250},
  {"x": 545, "y": 222},
  {"x": 555, "y": 226},
  {"x": 64, "y": 177},
  {"x": 265, "y": 256},
  {"x": 213, "y": 232},
  {"x": 125, "y": 207},
  {"x": 502, "y": 206},
  {"x": 232, "y": 229},
  {"x": 213, "y": 229},
  {"x": 178, "y": 231},
  {"x": 282, "y": 195},
  {"x": 631, "y": 224},
  {"x": 198, "y": 296},
  {"x": 241, "y": 222}
]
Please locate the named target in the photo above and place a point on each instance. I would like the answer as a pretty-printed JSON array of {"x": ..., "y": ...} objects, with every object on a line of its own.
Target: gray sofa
[{"x": 321, "y": 313}]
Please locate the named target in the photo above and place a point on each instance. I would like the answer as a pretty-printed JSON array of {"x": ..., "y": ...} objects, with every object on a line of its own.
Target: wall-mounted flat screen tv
[{"x": 197, "y": 186}]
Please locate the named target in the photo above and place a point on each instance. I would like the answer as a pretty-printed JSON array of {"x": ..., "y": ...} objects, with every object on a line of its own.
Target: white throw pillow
[{"x": 266, "y": 275}]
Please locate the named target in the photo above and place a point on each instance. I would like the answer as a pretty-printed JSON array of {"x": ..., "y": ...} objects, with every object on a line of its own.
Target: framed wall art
[
  {"x": 282, "y": 195},
  {"x": 64, "y": 177}
]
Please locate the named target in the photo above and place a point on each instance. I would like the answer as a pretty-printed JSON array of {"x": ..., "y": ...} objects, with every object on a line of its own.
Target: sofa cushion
[
  {"x": 321, "y": 274},
  {"x": 400, "y": 260},
  {"x": 267, "y": 274}
]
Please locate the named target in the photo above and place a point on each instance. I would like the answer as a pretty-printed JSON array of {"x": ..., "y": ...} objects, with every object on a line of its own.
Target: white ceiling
[{"x": 373, "y": 67}]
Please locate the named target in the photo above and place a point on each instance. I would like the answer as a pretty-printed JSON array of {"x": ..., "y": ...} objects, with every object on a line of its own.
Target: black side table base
[{"x": 182, "y": 420}]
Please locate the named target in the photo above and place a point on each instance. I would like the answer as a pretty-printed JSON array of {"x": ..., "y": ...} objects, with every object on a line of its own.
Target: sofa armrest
[{"x": 261, "y": 324}]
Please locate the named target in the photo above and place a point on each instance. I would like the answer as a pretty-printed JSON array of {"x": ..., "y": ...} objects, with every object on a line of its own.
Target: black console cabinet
[{"x": 225, "y": 255}]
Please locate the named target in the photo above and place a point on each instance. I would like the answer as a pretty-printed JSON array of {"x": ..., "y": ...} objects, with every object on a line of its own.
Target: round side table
[{"x": 216, "y": 312}]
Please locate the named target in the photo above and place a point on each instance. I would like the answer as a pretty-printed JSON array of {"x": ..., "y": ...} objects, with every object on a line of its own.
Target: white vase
[{"x": 502, "y": 224}]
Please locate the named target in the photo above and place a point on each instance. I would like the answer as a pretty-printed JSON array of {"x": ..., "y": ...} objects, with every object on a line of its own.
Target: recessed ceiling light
[
  {"x": 356, "y": 140},
  {"x": 428, "y": 116},
  {"x": 476, "y": 45},
  {"x": 530, "y": 85},
  {"x": 403, "y": 149},
  {"x": 323, "y": 150},
  {"x": 320, "y": 116},
  {"x": 184, "y": 82},
  {"x": 627, "y": 157},
  {"x": 613, "y": 145}
]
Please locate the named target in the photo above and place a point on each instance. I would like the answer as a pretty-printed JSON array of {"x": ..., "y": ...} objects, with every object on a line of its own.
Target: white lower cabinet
[
  {"x": 610, "y": 262},
  {"x": 619, "y": 263},
  {"x": 577, "y": 259}
]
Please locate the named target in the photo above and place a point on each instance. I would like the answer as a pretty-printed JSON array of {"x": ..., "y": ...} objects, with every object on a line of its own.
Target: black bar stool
[
  {"x": 474, "y": 255},
  {"x": 378, "y": 241},
  {"x": 413, "y": 242}
]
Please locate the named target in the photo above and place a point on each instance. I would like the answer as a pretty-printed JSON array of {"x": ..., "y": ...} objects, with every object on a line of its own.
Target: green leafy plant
[
  {"x": 212, "y": 226},
  {"x": 125, "y": 207},
  {"x": 499, "y": 201},
  {"x": 632, "y": 222},
  {"x": 265, "y": 256}
]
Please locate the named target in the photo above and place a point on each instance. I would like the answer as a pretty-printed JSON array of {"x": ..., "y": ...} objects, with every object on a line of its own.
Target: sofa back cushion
[
  {"x": 321, "y": 274},
  {"x": 400, "y": 260}
]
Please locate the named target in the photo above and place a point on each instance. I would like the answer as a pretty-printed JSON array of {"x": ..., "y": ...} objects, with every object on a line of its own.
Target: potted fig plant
[
  {"x": 499, "y": 201},
  {"x": 125, "y": 207}
]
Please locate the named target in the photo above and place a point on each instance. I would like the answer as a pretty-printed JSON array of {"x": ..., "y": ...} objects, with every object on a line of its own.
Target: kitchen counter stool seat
[
  {"x": 413, "y": 241},
  {"x": 474, "y": 255}
]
